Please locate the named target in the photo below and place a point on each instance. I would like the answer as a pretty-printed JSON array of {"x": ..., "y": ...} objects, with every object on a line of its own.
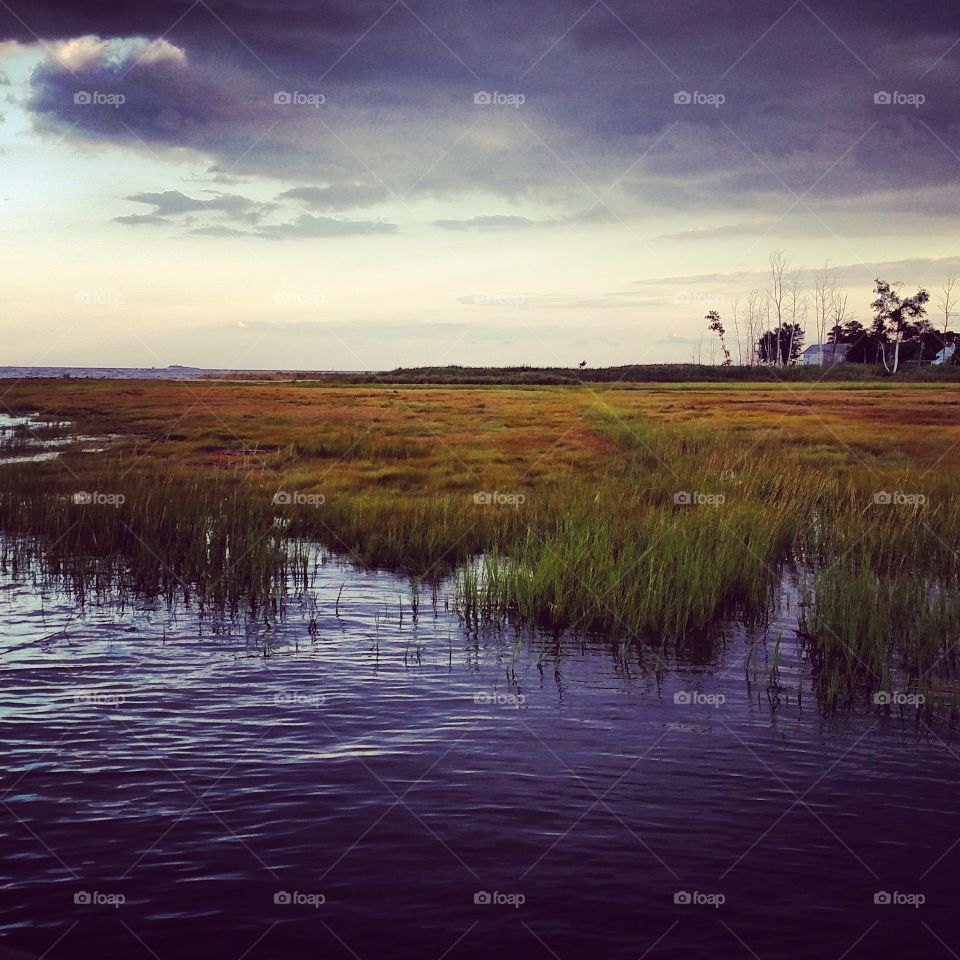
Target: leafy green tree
[
  {"x": 783, "y": 344},
  {"x": 896, "y": 318}
]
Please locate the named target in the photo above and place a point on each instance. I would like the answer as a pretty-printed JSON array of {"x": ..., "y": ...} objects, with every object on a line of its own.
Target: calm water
[
  {"x": 172, "y": 792},
  {"x": 27, "y": 438}
]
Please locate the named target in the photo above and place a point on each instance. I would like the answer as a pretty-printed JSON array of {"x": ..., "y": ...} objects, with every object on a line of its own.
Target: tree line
[{"x": 770, "y": 327}]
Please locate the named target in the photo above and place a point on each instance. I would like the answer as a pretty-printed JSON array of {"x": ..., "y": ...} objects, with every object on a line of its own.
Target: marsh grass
[
  {"x": 601, "y": 542},
  {"x": 212, "y": 545}
]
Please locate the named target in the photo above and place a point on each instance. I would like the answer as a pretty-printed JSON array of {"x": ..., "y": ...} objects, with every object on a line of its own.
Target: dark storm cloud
[
  {"x": 143, "y": 91},
  {"x": 258, "y": 21},
  {"x": 685, "y": 105}
]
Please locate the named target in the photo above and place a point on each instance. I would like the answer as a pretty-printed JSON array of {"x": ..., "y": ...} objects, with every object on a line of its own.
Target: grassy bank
[
  {"x": 632, "y": 373},
  {"x": 646, "y": 513}
]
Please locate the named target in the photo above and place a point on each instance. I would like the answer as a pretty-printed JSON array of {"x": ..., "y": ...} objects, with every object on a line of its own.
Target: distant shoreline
[
  {"x": 155, "y": 373},
  {"x": 507, "y": 376}
]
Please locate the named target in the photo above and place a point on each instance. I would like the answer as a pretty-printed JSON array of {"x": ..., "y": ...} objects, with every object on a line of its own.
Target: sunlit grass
[{"x": 587, "y": 534}]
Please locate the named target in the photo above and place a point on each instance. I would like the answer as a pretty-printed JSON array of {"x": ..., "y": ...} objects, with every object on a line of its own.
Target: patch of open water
[{"x": 395, "y": 787}]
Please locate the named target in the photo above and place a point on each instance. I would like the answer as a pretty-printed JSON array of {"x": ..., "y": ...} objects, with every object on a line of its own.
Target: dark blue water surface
[{"x": 400, "y": 788}]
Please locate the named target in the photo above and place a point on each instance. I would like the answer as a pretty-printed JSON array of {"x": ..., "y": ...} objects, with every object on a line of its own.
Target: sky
[{"x": 366, "y": 184}]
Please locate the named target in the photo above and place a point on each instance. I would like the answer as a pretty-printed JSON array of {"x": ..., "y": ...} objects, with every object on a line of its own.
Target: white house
[
  {"x": 825, "y": 354},
  {"x": 945, "y": 355}
]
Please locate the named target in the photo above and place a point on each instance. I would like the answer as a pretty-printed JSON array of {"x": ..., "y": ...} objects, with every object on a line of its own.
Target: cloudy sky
[{"x": 361, "y": 184}]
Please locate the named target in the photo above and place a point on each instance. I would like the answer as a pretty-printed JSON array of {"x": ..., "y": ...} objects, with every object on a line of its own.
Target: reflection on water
[
  {"x": 26, "y": 438},
  {"x": 353, "y": 781}
]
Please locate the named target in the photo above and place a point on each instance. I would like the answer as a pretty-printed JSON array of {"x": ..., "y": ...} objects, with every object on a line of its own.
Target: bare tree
[
  {"x": 776, "y": 293},
  {"x": 754, "y": 321},
  {"x": 697, "y": 354},
  {"x": 735, "y": 310},
  {"x": 797, "y": 305},
  {"x": 831, "y": 308},
  {"x": 947, "y": 300},
  {"x": 839, "y": 314},
  {"x": 824, "y": 289}
]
